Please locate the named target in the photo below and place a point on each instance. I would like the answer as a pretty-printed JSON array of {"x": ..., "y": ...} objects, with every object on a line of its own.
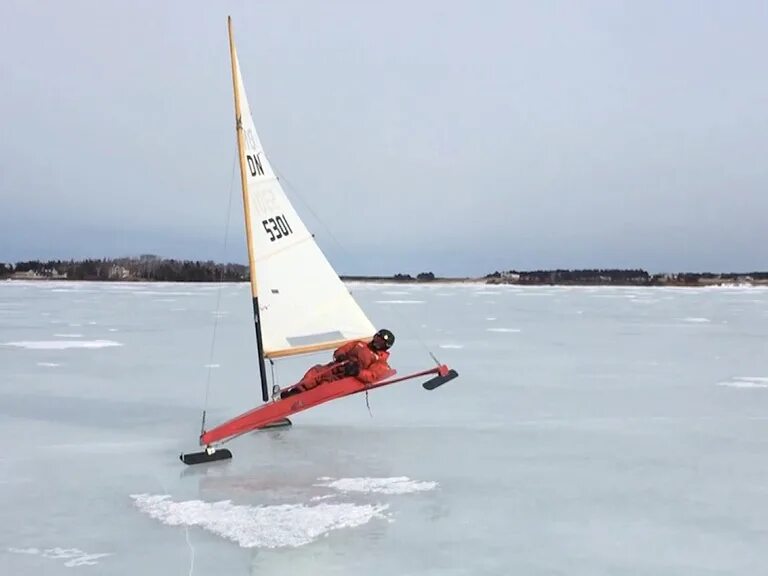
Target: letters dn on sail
[
  {"x": 253, "y": 157},
  {"x": 254, "y": 165}
]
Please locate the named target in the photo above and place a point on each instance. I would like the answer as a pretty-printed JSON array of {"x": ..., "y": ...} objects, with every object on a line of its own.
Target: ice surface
[
  {"x": 605, "y": 437},
  {"x": 62, "y": 344}
]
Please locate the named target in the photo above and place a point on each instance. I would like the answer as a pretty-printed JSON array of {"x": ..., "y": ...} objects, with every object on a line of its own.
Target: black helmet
[{"x": 387, "y": 337}]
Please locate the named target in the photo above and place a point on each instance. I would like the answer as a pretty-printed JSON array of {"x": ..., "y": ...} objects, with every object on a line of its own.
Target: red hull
[{"x": 263, "y": 415}]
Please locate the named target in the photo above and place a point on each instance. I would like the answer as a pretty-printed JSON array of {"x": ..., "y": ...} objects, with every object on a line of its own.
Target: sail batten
[
  {"x": 303, "y": 304},
  {"x": 308, "y": 349}
]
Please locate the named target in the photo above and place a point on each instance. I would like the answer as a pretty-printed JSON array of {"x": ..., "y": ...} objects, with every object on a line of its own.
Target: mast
[{"x": 246, "y": 206}]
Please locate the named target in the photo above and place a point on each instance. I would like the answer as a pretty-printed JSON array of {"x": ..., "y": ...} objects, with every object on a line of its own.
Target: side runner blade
[
  {"x": 204, "y": 457},
  {"x": 440, "y": 380}
]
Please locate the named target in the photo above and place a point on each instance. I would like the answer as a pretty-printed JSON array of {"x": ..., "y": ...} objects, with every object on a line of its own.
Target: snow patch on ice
[
  {"x": 48, "y": 364},
  {"x": 285, "y": 525},
  {"x": 326, "y": 497},
  {"x": 61, "y": 344},
  {"x": 746, "y": 382},
  {"x": 502, "y": 330},
  {"x": 73, "y": 556},
  {"x": 212, "y": 366},
  {"x": 696, "y": 320},
  {"x": 394, "y": 485},
  {"x": 67, "y": 335},
  {"x": 159, "y": 293},
  {"x": 452, "y": 346}
]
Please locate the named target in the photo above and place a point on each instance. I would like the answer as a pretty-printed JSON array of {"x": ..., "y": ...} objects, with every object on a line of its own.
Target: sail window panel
[{"x": 311, "y": 339}]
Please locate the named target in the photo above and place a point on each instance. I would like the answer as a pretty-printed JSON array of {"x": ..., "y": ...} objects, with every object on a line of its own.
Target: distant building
[
  {"x": 47, "y": 274},
  {"x": 54, "y": 274},
  {"x": 118, "y": 272},
  {"x": 28, "y": 275}
]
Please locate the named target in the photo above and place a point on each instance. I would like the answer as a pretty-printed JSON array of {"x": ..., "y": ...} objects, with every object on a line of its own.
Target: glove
[{"x": 351, "y": 369}]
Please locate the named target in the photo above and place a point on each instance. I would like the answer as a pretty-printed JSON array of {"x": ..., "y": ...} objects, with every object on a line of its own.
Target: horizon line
[{"x": 148, "y": 256}]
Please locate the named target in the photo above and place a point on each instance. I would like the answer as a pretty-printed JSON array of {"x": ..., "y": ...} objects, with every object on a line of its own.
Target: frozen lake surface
[{"x": 591, "y": 431}]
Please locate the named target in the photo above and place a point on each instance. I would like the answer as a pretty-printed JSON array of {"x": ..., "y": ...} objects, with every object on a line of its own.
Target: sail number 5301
[{"x": 277, "y": 227}]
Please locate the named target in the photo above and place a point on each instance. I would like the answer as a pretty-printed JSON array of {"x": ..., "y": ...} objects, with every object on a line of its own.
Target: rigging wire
[
  {"x": 218, "y": 291},
  {"x": 350, "y": 258}
]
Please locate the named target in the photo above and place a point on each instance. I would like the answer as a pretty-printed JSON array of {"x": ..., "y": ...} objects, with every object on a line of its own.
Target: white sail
[{"x": 304, "y": 306}]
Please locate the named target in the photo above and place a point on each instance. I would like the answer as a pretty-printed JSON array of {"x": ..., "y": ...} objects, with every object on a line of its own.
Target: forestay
[{"x": 304, "y": 306}]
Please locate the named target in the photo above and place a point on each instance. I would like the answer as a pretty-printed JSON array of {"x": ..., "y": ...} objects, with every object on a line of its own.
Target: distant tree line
[
  {"x": 692, "y": 277},
  {"x": 589, "y": 276},
  {"x": 633, "y": 277},
  {"x": 153, "y": 268},
  {"x": 421, "y": 277},
  {"x": 144, "y": 268}
]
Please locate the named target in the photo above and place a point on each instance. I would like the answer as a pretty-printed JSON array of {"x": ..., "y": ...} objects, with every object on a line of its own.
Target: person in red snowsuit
[{"x": 365, "y": 361}]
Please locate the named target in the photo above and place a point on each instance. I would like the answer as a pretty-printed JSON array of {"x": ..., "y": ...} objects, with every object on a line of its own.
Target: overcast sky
[{"x": 456, "y": 137}]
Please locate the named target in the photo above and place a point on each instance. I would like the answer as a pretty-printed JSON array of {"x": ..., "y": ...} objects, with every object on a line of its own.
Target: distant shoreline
[
  {"x": 391, "y": 280},
  {"x": 446, "y": 281},
  {"x": 149, "y": 268}
]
